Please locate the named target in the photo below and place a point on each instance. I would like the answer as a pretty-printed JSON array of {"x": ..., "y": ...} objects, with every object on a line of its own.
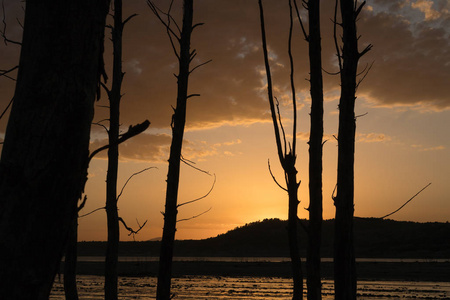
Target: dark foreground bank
[{"x": 406, "y": 271}]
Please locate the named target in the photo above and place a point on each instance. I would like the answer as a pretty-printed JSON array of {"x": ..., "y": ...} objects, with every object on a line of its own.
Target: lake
[{"x": 217, "y": 287}]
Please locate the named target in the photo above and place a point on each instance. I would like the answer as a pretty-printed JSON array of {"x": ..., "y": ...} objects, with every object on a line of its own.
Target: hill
[{"x": 374, "y": 238}]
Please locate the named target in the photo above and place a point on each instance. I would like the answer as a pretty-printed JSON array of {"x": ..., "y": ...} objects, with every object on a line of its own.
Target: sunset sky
[{"x": 402, "y": 141}]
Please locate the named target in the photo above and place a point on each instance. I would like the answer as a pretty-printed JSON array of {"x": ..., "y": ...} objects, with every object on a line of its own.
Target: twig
[
  {"x": 202, "y": 197},
  {"x": 131, "y": 230},
  {"x": 200, "y": 65},
  {"x": 274, "y": 179},
  {"x": 132, "y": 131},
  {"x": 6, "y": 109},
  {"x": 191, "y": 164},
  {"x": 3, "y": 32},
  {"x": 336, "y": 44},
  {"x": 83, "y": 203},
  {"x": 97, "y": 209},
  {"x": 406, "y": 202},
  {"x": 129, "y": 178},
  {"x": 5, "y": 72},
  {"x": 300, "y": 21},
  {"x": 196, "y": 216}
]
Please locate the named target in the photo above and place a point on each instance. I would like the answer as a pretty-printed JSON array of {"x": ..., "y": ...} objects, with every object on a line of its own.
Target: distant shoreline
[{"x": 389, "y": 271}]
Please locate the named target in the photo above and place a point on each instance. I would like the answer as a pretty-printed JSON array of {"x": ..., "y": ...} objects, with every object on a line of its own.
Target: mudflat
[{"x": 403, "y": 271}]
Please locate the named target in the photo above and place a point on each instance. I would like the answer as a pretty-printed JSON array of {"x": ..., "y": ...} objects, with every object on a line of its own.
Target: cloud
[
  {"x": 411, "y": 61},
  {"x": 143, "y": 147},
  {"x": 425, "y": 6},
  {"x": 421, "y": 148},
  {"x": 372, "y": 137}
]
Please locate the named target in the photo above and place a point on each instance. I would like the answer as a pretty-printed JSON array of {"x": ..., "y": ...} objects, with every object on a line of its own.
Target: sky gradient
[{"x": 402, "y": 138}]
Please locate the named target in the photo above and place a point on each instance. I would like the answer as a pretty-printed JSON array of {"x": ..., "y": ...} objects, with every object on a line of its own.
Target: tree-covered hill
[{"x": 374, "y": 238}]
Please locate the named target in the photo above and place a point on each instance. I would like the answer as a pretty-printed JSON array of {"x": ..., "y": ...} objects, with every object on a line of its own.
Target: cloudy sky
[{"x": 402, "y": 139}]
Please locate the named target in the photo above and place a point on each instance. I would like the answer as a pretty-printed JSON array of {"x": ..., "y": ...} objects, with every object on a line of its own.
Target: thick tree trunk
[
  {"x": 294, "y": 248},
  {"x": 112, "y": 246},
  {"x": 344, "y": 256},
  {"x": 315, "y": 154},
  {"x": 70, "y": 263},
  {"x": 44, "y": 161},
  {"x": 173, "y": 175}
]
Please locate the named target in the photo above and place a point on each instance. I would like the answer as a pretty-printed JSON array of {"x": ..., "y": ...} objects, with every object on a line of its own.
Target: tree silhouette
[
  {"x": 344, "y": 254},
  {"x": 45, "y": 154},
  {"x": 287, "y": 159},
  {"x": 184, "y": 56},
  {"x": 314, "y": 228}
]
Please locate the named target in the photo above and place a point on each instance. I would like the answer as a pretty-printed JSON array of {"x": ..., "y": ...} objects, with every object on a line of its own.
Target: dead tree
[
  {"x": 114, "y": 96},
  {"x": 348, "y": 58},
  {"x": 44, "y": 160},
  {"x": 287, "y": 159},
  {"x": 185, "y": 56},
  {"x": 314, "y": 229}
]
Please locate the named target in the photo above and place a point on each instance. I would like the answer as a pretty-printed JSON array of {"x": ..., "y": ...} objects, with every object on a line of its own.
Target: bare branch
[
  {"x": 329, "y": 73},
  {"x": 83, "y": 203},
  {"x": 364, "y": 76},
  {"x": 367, "y": 49},
  {"x": 132, "y": 131},
  {"x": 269, "y": 82},
  {"x": 4, "y": 72},
  {"x": 202, "y": 197},
  {"x": 196, "y": 216},
  {"x": 281, "y": 124},
  {"x": 3, "y": 31},
  {"x": 191, "y": 164},
  {"x": 6, "y": 109},
  {"x": 358, "y": 10},
  {"x": 274, "y": 179},
  {"x": 192, "y": 95},
  {"x": 200, "y": 65},
  {"x": 406, "y": 202},
  {"x": 97, "y": 209},
  {"x": 362, "y": 115},
  {"x": 300, "y": 21},
  {"x": 128, "y": 19},
  {"x": 131, "y": 230},
  {"x": 197, "y": 25},
  {"x": 129, "y": 178},
  {"x": 291, "y": 63},
  {"x": 336, "y": 44},
  {"x": 157, "y": 12}
]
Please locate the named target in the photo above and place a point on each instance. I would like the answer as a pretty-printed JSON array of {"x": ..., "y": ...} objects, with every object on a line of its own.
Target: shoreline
[{"x": 384, "y": 271}]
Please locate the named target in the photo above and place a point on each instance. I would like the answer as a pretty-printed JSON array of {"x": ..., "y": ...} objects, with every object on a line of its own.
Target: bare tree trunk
[
  {"x": 287, "y": 159},
  {"x": 44, "y": 161},
  {"x": 112, "y": 246},
  {"x": 70, "y": 263},
  {"x": 173, "y": 175},
  {"x": 315, "y": 154},
  {"x": 344, "y": 255}
]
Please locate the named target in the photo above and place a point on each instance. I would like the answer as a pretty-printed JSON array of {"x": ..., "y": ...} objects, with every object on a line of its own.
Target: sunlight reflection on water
[{"x": 215, "y": 287}]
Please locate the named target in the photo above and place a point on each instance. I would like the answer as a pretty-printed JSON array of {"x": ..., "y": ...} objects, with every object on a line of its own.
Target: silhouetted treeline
[{"x": 374, "y": 238}]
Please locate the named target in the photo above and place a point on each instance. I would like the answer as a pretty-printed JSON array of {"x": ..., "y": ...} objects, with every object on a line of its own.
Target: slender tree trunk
[
  {"x": 173, "y": 175},
  {"x": 287, "y": 159},
  {"x": 315, "y": 154},
  {"x": 112, "y": 246},
  {"x": 44, "y": 160},
  {"x": 294, "y": 248},
  {"x": 344, "y": 256},
  {"x": 70, "y": 263}
]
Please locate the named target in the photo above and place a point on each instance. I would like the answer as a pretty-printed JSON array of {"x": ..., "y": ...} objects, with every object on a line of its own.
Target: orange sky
[{"x": 402, "y": 143}]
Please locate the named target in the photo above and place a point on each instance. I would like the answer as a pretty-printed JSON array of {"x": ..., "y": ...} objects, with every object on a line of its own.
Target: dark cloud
[
  {"x": 144, "y": 147},
  {"x": 411, "y": 60}
]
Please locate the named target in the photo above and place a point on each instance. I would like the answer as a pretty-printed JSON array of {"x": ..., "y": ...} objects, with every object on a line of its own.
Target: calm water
[
  {"x": 213, "y": 287},
  {"x": 251, "y": 259}
]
